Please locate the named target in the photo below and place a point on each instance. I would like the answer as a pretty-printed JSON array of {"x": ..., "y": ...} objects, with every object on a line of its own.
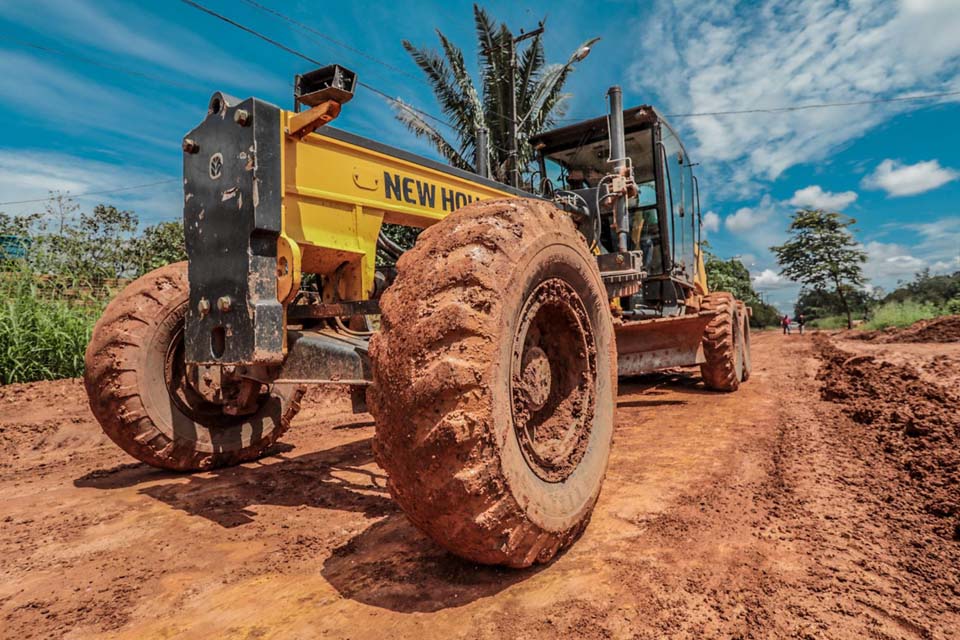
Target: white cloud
[
  {"x": 889, "y": 261},
  {"x": 761, "y": 226},
  {"x": 745, "y": 218},
  {"x": 909, "y": 179},
  {"x": 717, "y": 55},
  {"x": 945, "y": 266},
  {"x": 711, "y": 222},
  {"x": 815, "y": 197},
  {"x": 770, "y": 279},
  {"x": 939, "y": 242}
]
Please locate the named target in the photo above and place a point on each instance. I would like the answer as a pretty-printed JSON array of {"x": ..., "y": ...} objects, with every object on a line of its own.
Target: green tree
[
  {"x": 100, "y": 245},
  {"x": 539, "y": 95},
  {"x": 732, "y": 276},
  {"x": 822, "y": 303},
  {"x": 926, "y": 288},
  {"x": 159, "y": 245},
  {"x": 823, "y": 254},
  {"x": 729, "y": 275}
]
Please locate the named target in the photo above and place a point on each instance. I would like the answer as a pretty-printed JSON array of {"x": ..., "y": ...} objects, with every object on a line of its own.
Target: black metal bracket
[
  {"x": 231, "y": 212},
  {"x": 622, "y": 272}
]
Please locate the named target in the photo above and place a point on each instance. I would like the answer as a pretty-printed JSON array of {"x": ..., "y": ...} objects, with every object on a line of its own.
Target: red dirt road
[{"x": 769, "y": 512}]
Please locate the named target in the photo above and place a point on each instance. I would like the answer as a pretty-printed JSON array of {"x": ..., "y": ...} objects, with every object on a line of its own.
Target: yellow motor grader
[{"x": 489, "y": 354}]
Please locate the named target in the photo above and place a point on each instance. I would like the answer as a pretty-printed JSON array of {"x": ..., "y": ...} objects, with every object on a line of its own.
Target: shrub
[
  {"x": 900, "y": 314},
  {"x": 830, "y": 322}
]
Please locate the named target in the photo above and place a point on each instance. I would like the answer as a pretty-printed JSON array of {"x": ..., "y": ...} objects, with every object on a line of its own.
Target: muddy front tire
[
  {"x": 495, "y": 382},
  {"x": 135, "y": 379},
  {"x": 722, "y": 344}
]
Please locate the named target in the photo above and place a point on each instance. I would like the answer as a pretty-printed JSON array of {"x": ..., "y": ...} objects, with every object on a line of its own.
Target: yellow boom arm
[{"x": 339, "y": 188}]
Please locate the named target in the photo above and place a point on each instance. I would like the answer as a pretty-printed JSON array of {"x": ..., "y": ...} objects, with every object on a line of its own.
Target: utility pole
[
  {"x": 513, "y": 170},
  {"x": 513, "y": 159},
  {"x": 481, "y": 149}
]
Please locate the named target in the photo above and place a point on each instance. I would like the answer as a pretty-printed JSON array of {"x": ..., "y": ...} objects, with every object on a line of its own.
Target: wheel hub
[
  {"x": 553, "y": 378},
  {"x": 199, "y": 393},
  {"x": 536, "y": 378}
]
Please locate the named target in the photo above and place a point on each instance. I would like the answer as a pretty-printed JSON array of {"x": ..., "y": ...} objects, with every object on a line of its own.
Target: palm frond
[
  {"x": 529, "y": 70},
  {"x": 472, "y": 106},
  {"x": 539, "y": 94},
  {"x": 422, "y": 129},
  {"x": 442, "y": 82}
]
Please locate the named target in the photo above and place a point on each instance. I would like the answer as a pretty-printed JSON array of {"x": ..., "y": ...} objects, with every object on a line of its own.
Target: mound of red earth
[
  {"x": 942, "y": 329},
  {"x": 916, "y": 423}
]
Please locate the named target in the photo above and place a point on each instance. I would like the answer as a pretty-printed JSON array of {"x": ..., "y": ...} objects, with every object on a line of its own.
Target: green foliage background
[
  {"x": 72, "y": 263},
  {"x": 732, "y": 276}
]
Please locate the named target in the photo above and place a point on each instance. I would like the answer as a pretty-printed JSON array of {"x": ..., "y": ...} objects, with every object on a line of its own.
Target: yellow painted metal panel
[{"x": 337, "y": 195}]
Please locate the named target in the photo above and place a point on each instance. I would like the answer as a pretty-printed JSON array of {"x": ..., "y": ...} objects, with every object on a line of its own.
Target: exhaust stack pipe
[{"x": 618, "y": 156}]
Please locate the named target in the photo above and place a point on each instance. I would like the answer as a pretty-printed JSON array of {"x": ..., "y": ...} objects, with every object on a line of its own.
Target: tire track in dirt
[{"x": 763, "y": 513}]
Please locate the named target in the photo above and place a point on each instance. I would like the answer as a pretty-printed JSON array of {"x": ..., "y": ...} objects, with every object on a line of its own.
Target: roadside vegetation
[
  {"x": 731, "y": 275},
  {"x": 909, "y": 303},
  {"x": 824, "y": 256},
  {"x": 897, "y": 309},
  {"x": 58, "y": 270}
]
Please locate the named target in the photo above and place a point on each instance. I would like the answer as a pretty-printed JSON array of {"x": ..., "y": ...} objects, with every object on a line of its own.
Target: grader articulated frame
[{"x": 493, "y": 374}]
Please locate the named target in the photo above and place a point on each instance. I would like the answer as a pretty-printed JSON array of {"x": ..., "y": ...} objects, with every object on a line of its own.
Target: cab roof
[
  {"x": 585, "y": 145},
  {"x": 589, "y": 131}
]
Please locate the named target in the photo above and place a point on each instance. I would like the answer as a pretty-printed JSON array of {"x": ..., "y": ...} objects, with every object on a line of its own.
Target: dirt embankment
[
  {"x": 916, "y": 423},
  {"x": 942, "y": 329}
]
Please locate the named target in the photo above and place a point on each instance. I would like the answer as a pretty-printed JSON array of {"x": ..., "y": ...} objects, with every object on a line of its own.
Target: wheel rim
[
  {"x": 185, "y": 398},
  {"x": 552, "y": 380}
]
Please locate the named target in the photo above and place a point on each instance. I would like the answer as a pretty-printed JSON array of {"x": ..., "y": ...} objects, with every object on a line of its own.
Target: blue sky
[{"x": 74, "y": 122}]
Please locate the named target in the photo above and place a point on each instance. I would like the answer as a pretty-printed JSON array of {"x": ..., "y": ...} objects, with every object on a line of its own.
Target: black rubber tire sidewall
[{"x": 125, "y": 383}]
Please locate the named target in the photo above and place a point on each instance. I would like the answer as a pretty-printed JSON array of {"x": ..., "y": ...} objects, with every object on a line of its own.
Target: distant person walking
[
  {"x": 800, "y": 322},
  {"x": 786, "y": 324}
]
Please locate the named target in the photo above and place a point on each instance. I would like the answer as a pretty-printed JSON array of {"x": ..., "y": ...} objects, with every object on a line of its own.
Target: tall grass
[
  {"x": 41, "y": 337},
  {"x": 901, "y": 314},
  {"x": 830, "y": 322}
]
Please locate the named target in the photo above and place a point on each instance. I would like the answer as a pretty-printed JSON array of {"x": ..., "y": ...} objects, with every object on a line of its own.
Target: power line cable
[
  {"x": 822, "y": 105},
  {"x": 801, "y": 107},
  {"x": 93, "y": 193},
  {"x": 324, "y": 36},
  {"x": 280, "y": 45}
]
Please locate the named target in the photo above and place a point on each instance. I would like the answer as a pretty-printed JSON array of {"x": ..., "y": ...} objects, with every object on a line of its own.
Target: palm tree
[{"x": 539, "y": 87}]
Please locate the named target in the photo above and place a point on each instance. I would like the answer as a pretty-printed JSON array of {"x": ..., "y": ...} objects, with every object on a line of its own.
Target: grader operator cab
[{"x": 492, "y": 370}]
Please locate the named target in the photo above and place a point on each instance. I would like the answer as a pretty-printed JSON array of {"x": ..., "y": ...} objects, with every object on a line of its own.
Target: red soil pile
[
  {"x": 917, "y": 424},
  {"x": 942, "y": 329}
]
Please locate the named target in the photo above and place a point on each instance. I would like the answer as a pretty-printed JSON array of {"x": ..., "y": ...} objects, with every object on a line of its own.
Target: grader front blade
[{"x": 647, "y": 345}]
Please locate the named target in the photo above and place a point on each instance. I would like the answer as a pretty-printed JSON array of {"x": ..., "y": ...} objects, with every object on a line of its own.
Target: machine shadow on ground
[
  {"x": 389, "y": 564},
  {"x": 335, "y": 478},
  {"x": 393, "y": 566}
]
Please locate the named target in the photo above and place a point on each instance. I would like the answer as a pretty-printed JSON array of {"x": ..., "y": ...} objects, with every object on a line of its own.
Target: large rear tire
[
  {"x": 136, "y": 382},
  {"x": 494, "y": 382},
  {"x": 722, "y": 341}
]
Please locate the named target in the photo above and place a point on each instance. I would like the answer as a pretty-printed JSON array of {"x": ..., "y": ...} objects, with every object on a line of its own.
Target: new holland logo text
[{"x": 424, "y": 194}]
